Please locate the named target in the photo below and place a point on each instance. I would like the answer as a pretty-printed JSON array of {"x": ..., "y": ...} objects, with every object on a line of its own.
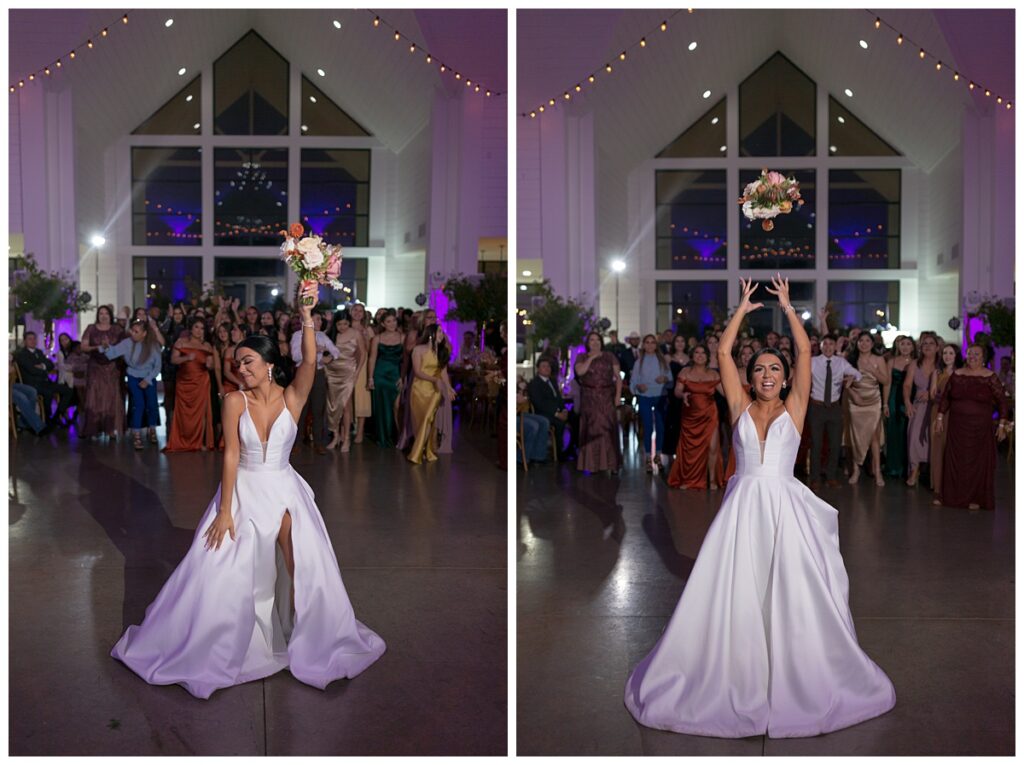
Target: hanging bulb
[
  {"x": 458, "y": 76},
  {"x": 551, "y": 102},
  {"x": 443, "y": 67},
  {"x": 71, "y": 54},
  {"x": 921, "y": 53},
  {"x": 956, "y": 75},
  {"x": 578, "y": 88},
  {"x": 622, "y": 56},
  {"x": 429, "y": 59},
  {"x": 487, "y": 93},
  {"x": 878, "y": 23},
  {"x": 590, "y": 78},
  {"x": 899, "y": 39},
  {"x": 971, "y": 85},
  {"x": 1009, "y": 105},
  {"x": 608, "y": 68},
  {"x": 643, "y": 42},
  {"x": 88, "y": 44},
  {"x": 58, "y": 64},
  {"x": 124, "y": 19},
  {"x": 664, "y": 26},
  {"x": 412, "y": 48},
  {"x": 104, "y": 32},
  {"x": 999, "y": 99},
  {"x": 31, "y": 77},
  {"x": 12, "y": 88},
  {"x": 398, "y": 35},
  {"x": 46, "y": 71},
  {"x": 21, "y": 83},
  {"x": 376, "y": 22},
  {"x": 541, "y": 108},
  {"x": 938, "y": 66},
  {"x": 532, "y": 114},
  {"x": 566, "y": 95},
  {"x": 988, "y": 92}
]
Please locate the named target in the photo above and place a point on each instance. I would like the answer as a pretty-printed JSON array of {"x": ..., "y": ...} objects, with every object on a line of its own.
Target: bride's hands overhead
[
  {"x": 781, "y": 290},
  {"x": 748, "y": 287}
]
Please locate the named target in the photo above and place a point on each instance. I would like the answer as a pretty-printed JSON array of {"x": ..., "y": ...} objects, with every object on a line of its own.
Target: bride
[
  {"x": 762, "y": 640},
  {"x": 230, "y": 612}
]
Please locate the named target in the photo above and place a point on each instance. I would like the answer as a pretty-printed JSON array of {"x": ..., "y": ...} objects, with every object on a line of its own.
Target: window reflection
[
  {"x": 866, "y": 304},
  {"x": 690, "y": 307},
  {"x": 166, "y": 196},
  {"x": 777, "y": 111},
  {"x": 335, "y": 194},
  {"x": 250, "y": 196},
  {"x": 790, "y": 244},
  {"x": 864, "y": 219},
  {"x": 704, "y": 138},
  {"x": 250, "y": 94},
  {"x": 691, "y": 219}
]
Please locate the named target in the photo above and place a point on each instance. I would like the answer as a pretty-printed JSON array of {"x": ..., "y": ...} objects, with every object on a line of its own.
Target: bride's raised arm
[
  {"x": 305, "y": 372},
  {"x": 731, "y": 385},
  {"x": 796, "y": 402}
]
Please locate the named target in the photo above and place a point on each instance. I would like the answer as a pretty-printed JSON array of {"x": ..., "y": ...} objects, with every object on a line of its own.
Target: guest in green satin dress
[
  {"x": 896, "y": 417},
  {"x": 384, "y": 374}
]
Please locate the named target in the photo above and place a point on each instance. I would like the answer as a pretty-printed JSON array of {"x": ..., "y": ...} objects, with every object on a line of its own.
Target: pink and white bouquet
[
  {"x": 770, "y": 195},
  {"x": 312, "y": 259}
]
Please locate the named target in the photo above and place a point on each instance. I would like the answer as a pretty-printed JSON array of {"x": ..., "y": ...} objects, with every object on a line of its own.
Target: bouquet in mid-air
[
  {"x": 770, "y": 195},
  {"x": 311, "y": 258}
]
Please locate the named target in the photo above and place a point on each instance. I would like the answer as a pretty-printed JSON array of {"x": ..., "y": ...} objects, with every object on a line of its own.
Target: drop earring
[{"x": 270, "y": 374}]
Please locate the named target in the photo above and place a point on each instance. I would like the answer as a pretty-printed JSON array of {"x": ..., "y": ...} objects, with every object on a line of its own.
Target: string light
[
  {"x": 376, "y": 22},
  {"x": 124, "y": 19},
  {"x": 608, "y": 68},
  {"x": 922, "y": 54}
]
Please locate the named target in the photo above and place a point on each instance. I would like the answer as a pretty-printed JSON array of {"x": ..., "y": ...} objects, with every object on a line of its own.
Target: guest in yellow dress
[
  {"x": 429, "y": 388},
  {"x": 361, "y": 397}
]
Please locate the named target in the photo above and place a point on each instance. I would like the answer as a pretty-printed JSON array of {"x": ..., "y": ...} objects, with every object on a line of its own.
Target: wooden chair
[
  {"x": 40, "y": 401},
  {"x": 521, "y": 434}
]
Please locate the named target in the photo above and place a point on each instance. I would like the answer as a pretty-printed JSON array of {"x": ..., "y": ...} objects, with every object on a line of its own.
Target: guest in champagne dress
[
  {"x": 385, "y": 371},
  {"x": 917, "y": 399},
  {"x": 342, "y": 374},
  {"x": 192, "y": 427},
  {"x": 698, "y": 450},
  {"x": 429, "y": 386},
  {"x": 950, "y": 361},
  {"x": 103, "y": 407},
  {"x": 896, "y": 421},
  {"x": 362, "y": 399},
  {"x": 597, "y": 374},
  {"x": 865, "y": 401},
  {"x": 969, "y": 460}
]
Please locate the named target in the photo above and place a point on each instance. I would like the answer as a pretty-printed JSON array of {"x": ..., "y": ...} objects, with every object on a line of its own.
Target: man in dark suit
[
  {"x": 35, "y": 371},
  {"x": 547, "y": 402}
]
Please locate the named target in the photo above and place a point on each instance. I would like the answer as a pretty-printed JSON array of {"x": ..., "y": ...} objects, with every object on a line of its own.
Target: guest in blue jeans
[
  {"x": 141, "y": 351},
  {"x": 24, "y": 399},
  {"x": 647, "y": 382},
  {"x": 535, "y": 432}
]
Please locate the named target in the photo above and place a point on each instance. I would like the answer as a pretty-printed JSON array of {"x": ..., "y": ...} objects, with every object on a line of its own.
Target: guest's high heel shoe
[
  {"x": 855, "y": 475},
  {"x": 912, "y": 481}
]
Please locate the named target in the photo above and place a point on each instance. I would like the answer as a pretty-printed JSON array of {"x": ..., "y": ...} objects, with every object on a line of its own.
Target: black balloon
[
  {"x": 421, "y": 299},
  {"x": 954, "y": 323}
]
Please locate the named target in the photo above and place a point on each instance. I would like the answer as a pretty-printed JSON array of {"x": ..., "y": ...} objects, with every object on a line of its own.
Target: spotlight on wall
[
  {"x": 275, "y": 292},
  {"x": 97, "y": 240},
  {"x": 618, "y": 266}
]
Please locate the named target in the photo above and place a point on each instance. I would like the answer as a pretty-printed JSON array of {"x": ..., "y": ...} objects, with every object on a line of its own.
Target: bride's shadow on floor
[{"x": 134, "y": 519}]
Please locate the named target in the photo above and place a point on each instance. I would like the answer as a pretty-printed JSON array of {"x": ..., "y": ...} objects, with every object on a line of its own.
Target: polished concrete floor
[
  {"x": 96, "y": 528},
  {"x": 602, "y": 562}
]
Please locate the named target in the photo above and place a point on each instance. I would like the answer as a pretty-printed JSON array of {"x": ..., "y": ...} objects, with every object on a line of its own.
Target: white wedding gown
[
  {"x": 762, "y": 640},
  {"x": 224, "y": 617}
]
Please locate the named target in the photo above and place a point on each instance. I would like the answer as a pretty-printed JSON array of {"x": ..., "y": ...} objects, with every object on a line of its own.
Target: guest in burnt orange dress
[
  {"x": 969, "y": 460},
  {"x": 698, "y": 462},
  {"x": 597, "y": 374},
  {"x": 192, "y": 428}
]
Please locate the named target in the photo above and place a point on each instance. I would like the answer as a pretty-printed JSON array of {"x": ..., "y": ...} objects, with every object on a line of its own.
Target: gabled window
[
  {"x": 777, "y": 111},
  {"x": 704, "y": 138},
  {"x": 250, "y": 89},
  {"x": 321, "y": 116},
  {"x": 849, "y": 137},
  {"x": 179, "y": 116}
]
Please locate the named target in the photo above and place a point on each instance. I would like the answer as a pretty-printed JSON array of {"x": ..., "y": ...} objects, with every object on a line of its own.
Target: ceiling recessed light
[
  {"x": 188, "y": 97},
  {"x": 721, "y": 148},
  {"x": 312, "y": 99},
  {"x": 182, "y": 71},
  {"x": 168, "y": 22},
  {"x": 714, "y": 120},
  {"x": 305, "y": 128},
  {"x": 527, "y": 273},
  {"x": 842, "y": 120},
  {"x": 832, "y": 149},
  {"x": 848, "y": 92},
  {"x": 337, "y": 24},
  {"x": 321, "y": 72},
  {"x": 522, "y": 287},
  {"x": 196, "y": 126},
  {"x": 706, "y": 94},
  {"x": 864, "y": 44},
  {"x": 692, "y": 46}
]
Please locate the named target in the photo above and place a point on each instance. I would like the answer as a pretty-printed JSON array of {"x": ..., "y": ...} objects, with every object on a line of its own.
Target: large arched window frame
[
  {"x": 642, "y": 183},
  {"x": 381, "y": 163}
]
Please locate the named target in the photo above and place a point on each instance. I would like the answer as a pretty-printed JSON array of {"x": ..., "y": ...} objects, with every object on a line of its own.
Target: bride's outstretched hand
[
  {"x": 781, "y": 290},
  {"x": 748, "y": 287}
]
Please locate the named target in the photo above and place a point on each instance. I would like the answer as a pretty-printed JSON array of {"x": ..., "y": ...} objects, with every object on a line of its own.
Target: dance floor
[
  {"x": 602, "y": 562},
  {"x": 95, "y": 530}
]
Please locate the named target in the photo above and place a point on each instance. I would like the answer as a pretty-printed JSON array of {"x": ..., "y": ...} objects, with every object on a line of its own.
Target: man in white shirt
[
  {"x": 828, "y": 375},
  {"x": 317, "y": 401}
]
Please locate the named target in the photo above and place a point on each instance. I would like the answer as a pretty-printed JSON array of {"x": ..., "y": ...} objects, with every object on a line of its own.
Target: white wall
[
  {"x": 15, "y": 224},
  {"x": 528, "y": 191},
  {"x": 494, "y": 169}
]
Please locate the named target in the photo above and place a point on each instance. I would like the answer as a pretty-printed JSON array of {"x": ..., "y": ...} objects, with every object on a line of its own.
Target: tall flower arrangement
[
  {"x": 312, "y": 259},
  {"x": 47, "y": 295}
]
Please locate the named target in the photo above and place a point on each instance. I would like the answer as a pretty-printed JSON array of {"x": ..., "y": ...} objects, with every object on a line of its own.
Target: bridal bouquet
[
  {"x": 770, "y": 195},
  {"x": 312, "y": 259}
]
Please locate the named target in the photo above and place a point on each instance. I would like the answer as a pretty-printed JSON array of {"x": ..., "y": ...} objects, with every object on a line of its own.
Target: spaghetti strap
[{"x": 245, "y": 399}]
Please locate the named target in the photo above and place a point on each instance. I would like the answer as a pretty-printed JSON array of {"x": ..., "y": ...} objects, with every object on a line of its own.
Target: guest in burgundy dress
[
  {"x": 597, "y": 374},
  {"x": 103, "y": 407},
  {"x": 969, "y": 461}
]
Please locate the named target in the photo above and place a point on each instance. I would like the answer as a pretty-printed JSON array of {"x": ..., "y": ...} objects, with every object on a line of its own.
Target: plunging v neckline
[
  {"x": 762, "y": 444},
  {"x": 270, "y": 431}
]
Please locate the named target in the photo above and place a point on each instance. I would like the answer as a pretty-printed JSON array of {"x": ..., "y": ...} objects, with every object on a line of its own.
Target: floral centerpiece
[
  {"x": 770, "y": 195},
  {"x": 312, "y": 259}
]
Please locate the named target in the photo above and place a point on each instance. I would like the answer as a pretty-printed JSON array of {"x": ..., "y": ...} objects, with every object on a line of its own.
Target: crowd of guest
[
  {"x": 382, "y": 377},
  {"x": 914, "y": 410}
]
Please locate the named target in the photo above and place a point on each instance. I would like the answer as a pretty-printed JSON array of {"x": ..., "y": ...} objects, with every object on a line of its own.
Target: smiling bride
[
  {"x": 762, "y": 640},
  {"x": 259, "y": 590}
]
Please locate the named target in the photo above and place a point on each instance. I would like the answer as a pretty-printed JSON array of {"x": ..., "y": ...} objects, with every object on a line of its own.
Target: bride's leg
[{"x": 284, "y": 539}]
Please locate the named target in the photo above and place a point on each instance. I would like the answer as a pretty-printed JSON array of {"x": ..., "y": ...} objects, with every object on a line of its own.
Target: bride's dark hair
[
  {"x": 268, "y": 351},
  {"x": 753, "y": 360}
]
